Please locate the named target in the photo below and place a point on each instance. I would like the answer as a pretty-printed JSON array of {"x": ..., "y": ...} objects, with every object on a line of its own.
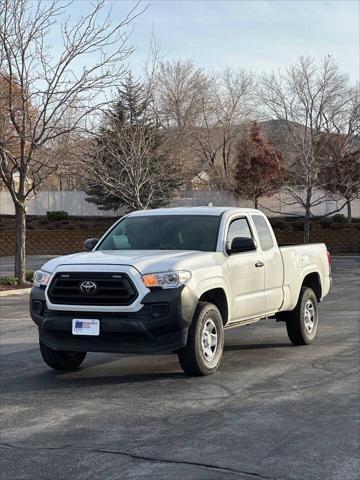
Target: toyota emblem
[{"x": 88, "y": 288}]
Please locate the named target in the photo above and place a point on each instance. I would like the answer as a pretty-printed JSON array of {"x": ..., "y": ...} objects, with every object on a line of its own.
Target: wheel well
[
  {"x": 217, "y": 296},
  {"x": 313, "y": 281}
]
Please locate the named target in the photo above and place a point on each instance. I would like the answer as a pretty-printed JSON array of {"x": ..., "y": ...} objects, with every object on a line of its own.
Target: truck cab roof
[{"x": 208, "y": 210}]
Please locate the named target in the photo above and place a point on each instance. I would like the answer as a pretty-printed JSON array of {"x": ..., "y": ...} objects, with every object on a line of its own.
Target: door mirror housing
[
  {"x": 241, "y": 244},
  {"x": 90, "y": 243}
]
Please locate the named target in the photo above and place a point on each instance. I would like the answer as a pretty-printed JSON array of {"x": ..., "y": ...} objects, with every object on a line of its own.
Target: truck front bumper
[{"x": 160, "y": 326}]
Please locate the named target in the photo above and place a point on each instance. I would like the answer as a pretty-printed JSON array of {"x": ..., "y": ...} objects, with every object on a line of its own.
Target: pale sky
[{"x": 260, "y": 35}]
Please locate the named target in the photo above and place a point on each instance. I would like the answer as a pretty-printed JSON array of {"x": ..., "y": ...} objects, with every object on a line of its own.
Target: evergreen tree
[{"x": 128, "y": 168}]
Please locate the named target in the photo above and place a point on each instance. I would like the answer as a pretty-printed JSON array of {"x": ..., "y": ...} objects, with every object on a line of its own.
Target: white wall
[
  {"x": 75, "y": 204},
  {"x": 281, "y": 203},
  {"x": 72, "y": 202}
]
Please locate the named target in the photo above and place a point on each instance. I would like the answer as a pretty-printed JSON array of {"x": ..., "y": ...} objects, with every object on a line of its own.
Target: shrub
[
  {"x": 29, "y": 276},
  {"x": 57, "y": 215},
  {"x": 9, "y": 280},
  {"x": 339, "y": 218}
]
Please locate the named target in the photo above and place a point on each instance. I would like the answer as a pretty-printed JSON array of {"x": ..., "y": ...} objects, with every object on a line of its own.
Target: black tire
[
  {"x": 207, "y": 323},
  {"x": 297, "y": 323},
  {"x": 60, "y": 360}
]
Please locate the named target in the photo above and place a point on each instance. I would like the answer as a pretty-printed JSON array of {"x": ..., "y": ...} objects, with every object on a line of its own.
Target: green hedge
[{"x": 57, "y": 215}]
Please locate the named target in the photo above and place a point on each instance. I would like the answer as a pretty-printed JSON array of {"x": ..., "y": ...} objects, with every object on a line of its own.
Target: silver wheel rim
[
  {"x": 309, "y": 316},
  {"x": 209, "y": 340}
]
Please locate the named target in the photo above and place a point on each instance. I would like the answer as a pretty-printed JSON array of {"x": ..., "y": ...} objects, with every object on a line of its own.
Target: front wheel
[
  {"x": 302, "y": 323},
  {"x": 203, "y": 351},
  {"x": 60, "y": 360}
]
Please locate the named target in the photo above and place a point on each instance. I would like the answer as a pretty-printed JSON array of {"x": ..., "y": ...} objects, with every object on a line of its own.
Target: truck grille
[{"x": 98, "y": 288}]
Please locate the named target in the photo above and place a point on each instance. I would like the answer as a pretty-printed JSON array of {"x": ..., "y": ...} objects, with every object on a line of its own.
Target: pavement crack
[{"x": 147, "y": 458}]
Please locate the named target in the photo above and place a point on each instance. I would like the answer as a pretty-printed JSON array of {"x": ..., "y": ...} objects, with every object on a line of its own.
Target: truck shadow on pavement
[
  {"x": 256, "y": 346},
  {"x": 98, "y": 370},
  {"x": 47, "y": 380}
]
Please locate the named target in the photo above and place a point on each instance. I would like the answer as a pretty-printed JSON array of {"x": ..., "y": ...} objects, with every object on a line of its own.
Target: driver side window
[{"x": 238, "y": 228}]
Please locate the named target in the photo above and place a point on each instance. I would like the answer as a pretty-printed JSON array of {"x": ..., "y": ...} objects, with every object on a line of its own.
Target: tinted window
[
  {"x": 164, "y": 232},
  {"x": 263, "y": 231},
  {"x": 238, "y": 228}
]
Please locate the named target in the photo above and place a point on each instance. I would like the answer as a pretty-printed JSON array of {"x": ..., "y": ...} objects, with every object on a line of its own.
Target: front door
[{"x": 246, "y": 273}]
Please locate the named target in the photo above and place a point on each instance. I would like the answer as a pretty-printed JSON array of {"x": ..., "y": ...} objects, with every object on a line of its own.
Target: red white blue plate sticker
[{"x": 85, "y": 326}]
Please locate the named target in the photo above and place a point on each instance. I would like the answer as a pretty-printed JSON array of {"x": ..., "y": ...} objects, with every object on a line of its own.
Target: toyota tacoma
[{"x": 171, "y": 280}]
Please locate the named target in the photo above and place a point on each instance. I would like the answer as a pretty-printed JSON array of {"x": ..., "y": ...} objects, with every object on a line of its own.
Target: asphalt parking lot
[{"x": 272, "y": 411}]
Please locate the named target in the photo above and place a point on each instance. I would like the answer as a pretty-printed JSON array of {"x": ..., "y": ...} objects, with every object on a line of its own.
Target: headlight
[
  {"x": 166, "y": 279},
  {"x": 41, "y": 278}
]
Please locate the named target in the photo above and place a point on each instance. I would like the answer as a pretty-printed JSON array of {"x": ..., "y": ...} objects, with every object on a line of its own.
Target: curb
[{"x": 18, "y": 291}]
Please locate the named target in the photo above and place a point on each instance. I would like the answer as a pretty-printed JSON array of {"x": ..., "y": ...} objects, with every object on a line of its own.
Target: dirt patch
[{"x": 5, "y": 288}]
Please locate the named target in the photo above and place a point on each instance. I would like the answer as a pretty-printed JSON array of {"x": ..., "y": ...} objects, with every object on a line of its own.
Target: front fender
[{"x": 216, "y": 282}]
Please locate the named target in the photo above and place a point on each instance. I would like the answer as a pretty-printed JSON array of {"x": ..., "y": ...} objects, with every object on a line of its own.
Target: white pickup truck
[{"x": 171, "y": 280}]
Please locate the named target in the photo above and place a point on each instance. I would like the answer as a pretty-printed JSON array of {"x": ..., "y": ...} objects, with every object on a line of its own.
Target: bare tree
[
  {"x": 226, "y": 106},
  {"x": 38, "y": 89},
  {"x": 180, "y": 89},
  {"x": 181, "y": 86},
  {"x": 65, "y": 154},
  {"x": 340, "y": 172},
  {"x": 340, "y": 153},
  {"x": 202, "y": 115},
  {"x": 308, "y": 99}
]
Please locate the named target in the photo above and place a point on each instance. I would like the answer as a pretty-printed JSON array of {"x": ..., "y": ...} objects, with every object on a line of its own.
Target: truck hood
[{"x": 145, "y": 261}]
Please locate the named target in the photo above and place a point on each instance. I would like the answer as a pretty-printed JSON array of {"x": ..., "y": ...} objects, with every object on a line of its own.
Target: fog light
[
  {"x": 37, "y": 307},
  {"x": 159, "y": 310}
]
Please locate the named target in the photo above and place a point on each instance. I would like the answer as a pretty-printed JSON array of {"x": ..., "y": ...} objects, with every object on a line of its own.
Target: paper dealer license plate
[{"x": 85, "y": 326}]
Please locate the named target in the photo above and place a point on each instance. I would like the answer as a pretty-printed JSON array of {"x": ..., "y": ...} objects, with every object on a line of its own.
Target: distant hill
[{"x": 276, "y": 130}]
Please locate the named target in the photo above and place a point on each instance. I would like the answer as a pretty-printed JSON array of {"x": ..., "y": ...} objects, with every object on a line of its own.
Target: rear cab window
[{"x": 264, "y": 232}]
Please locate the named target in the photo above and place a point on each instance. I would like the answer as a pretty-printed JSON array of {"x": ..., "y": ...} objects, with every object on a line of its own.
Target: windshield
[{"x": 164, "y": 232}]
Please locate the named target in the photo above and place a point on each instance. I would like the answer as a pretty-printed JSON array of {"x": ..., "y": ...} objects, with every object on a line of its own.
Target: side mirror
[
  {"x": 90, "y": 243},
  {"x": 241, "y": 244}
]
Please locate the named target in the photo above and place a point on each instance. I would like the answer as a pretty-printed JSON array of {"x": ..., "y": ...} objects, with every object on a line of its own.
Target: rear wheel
[
  {"x": 60, "y": 360},
  {"x": 302, "y": 322},
  {"x": 203, "y": 351}
]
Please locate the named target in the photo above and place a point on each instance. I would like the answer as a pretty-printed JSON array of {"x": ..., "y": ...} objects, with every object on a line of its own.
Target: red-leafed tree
[
  {"x": 340, "y": 170},
  {"x": 259, "y": 170}
]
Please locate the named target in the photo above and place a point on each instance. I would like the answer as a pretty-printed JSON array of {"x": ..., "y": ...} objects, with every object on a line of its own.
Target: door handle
[{"x": 259, "y": 264}]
